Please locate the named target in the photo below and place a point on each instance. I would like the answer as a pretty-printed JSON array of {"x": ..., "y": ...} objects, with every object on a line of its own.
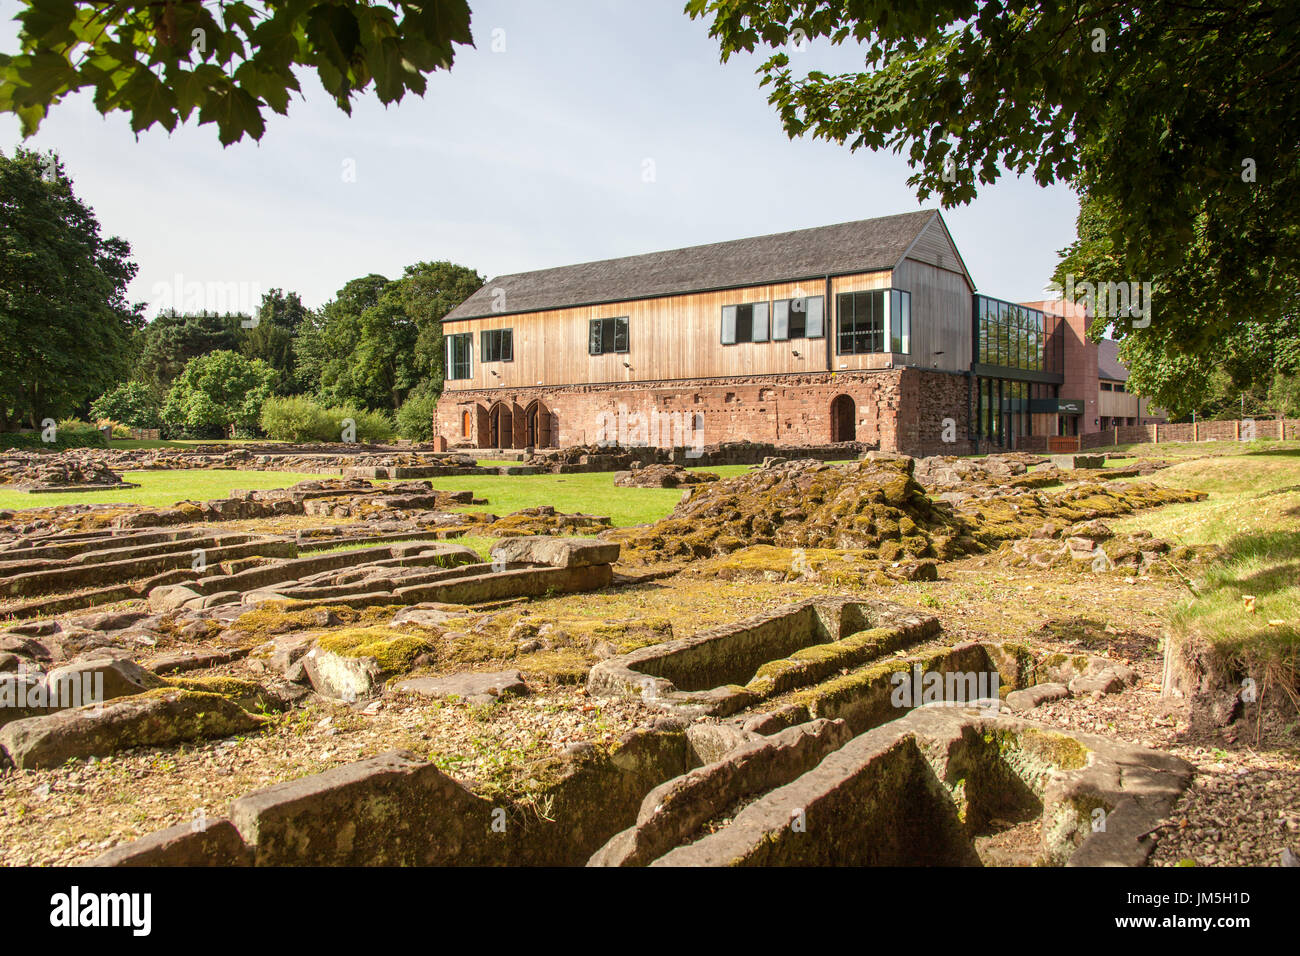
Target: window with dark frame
[
  {"x": 605, "y": 336},
  {"x": 862, "y": 322},
  {"x": 745, "y": 323},
  {"x": 1014, "y": 336},
  {"x": 900, "y": 321},
  {"x": 459, "y": 359},
  {"x": 799, "y": 318},
  {"x": 497, "y": 345}
]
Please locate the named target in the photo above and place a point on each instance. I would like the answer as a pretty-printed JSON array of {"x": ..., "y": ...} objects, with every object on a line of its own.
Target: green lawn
[
  {"x": 161, "y": 489},
  {"x": 1170, "y": 449},
  {"x": 591, "y": 493},
  {"x": 1253, "y": 513}
]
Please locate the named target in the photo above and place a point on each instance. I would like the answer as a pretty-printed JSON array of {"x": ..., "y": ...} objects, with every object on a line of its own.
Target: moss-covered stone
[{"x": 392, "y": 650}]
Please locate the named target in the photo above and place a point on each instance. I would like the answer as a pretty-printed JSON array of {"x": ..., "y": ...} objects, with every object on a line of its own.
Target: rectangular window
[
  {"x": 744, "y": 323},
  {"x": 862, "y": 322},
  {"x": 459, "y": 347},
  {"x": 814, "y": 316},
  {"x": 607, "y": 335},
  {"x": 497, "y": 345},
  {"x": 728, "y": 325},
  {"x": 760, "y": 322},
  {"x": 1012, "y": 336},
  {"x": 797, "y": 318},
  {"x": 900, "y": 321}
]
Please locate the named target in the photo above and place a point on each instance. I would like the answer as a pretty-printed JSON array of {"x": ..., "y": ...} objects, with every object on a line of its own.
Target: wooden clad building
[{"x": 862, "y": 331}]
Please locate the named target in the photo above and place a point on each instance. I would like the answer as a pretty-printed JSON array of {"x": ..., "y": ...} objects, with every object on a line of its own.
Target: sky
[{"x": 575, "y": 130}]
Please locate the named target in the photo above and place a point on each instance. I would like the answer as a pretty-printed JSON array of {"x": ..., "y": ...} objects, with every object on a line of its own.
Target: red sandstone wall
[{"x": 897, "y": 409}]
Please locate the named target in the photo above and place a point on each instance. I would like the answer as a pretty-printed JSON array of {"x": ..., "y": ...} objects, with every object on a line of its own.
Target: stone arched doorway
[
  {"x": 501, "y": 428},
  {"x": 844, "y": 414},
  {"x": 538, "y": 418}
]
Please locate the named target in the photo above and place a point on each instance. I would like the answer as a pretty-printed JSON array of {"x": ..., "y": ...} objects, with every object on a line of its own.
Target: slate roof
[
  {"x": 866, "y": 245},
  {"x": 1108, "y": 363}
]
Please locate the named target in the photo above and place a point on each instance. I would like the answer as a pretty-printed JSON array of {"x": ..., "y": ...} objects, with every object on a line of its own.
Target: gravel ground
[
  {"x": 71, "y": 814},
  {"x": 1243, "y": 807}
]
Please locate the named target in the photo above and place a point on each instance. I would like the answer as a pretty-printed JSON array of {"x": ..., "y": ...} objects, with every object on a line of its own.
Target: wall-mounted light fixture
[{"x": 794, "y": 352}]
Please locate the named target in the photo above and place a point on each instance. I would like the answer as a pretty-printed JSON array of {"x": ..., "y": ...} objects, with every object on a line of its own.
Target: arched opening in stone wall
[
  {"x": 844, "y": 415},
  {"x": 539, "y": 425},
  {"x": 501, "y": 430}
]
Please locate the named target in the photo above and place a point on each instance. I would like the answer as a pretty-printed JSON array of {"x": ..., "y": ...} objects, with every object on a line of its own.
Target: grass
[
  {"x": 482, "y": 545},
  {"x": 1252, "y": 513},
  {"x": 592, "y": 493},
  {"x": 589, "y": 493},
  {"x": 1199, "y": 449},
  {"x": 161, "y": 489}
]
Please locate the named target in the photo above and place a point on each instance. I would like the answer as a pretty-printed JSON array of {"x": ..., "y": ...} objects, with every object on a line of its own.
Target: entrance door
[
  {"x": 501, "y": 426},
  {"x": 539, "y": 425},
  {"x": 843, "y": 419}
]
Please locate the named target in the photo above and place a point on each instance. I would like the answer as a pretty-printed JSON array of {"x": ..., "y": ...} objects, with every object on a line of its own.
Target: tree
[
  {"x": 1179, "y": 374},
  {"x": 65, "y": 324},
  {"x": 131, "y": 403},
  {"x": 162, "y": 61},
  {"x": 1178, "y": 117},
  {"x": 1284, "y": 394},
  {"x": 270, "y": 336},
  {"x": 362, "y": 351},
  {"x": 218, "y": 390},
  {"x": 172, "y": 339},
  {"x": 427, "y": 292}
]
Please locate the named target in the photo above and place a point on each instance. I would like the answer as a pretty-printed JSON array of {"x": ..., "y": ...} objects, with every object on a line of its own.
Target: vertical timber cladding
[{"x": 676, "y": 366}]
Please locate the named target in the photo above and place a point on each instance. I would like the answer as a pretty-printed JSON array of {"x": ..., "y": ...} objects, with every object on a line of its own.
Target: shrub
[
  {"x": 301, "y": 419},
  {"x": 296, "y": 419},
  {"x": 370, "y": 426},
  {"x": 70, "y": 433},
  {"x": 118, "y": 430},
  {"x": 415, "y": 417}
]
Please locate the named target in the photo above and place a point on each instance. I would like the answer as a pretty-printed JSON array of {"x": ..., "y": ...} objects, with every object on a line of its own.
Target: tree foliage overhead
[
  {"x": 1178, "y": 116},
  {"x": 65, "y": 324},
  {"x": 162, "y": 61}
]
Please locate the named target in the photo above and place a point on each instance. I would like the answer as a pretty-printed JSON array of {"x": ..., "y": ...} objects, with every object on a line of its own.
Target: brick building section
[
  {"x": 1080, "y": 357},
  {"x": 908, "y": 410}
]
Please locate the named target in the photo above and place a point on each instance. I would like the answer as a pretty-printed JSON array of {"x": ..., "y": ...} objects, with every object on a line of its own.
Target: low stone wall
[
  {"x": 919, "y": 790},
  {"x": 397, "y": 810}
]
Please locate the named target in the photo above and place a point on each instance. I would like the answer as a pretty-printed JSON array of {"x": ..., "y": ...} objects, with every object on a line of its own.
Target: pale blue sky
[{"x": 515, "y": 160}]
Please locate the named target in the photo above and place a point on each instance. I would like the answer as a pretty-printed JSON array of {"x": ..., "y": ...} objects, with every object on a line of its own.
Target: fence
[{"x": 1237, "y": 430}]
